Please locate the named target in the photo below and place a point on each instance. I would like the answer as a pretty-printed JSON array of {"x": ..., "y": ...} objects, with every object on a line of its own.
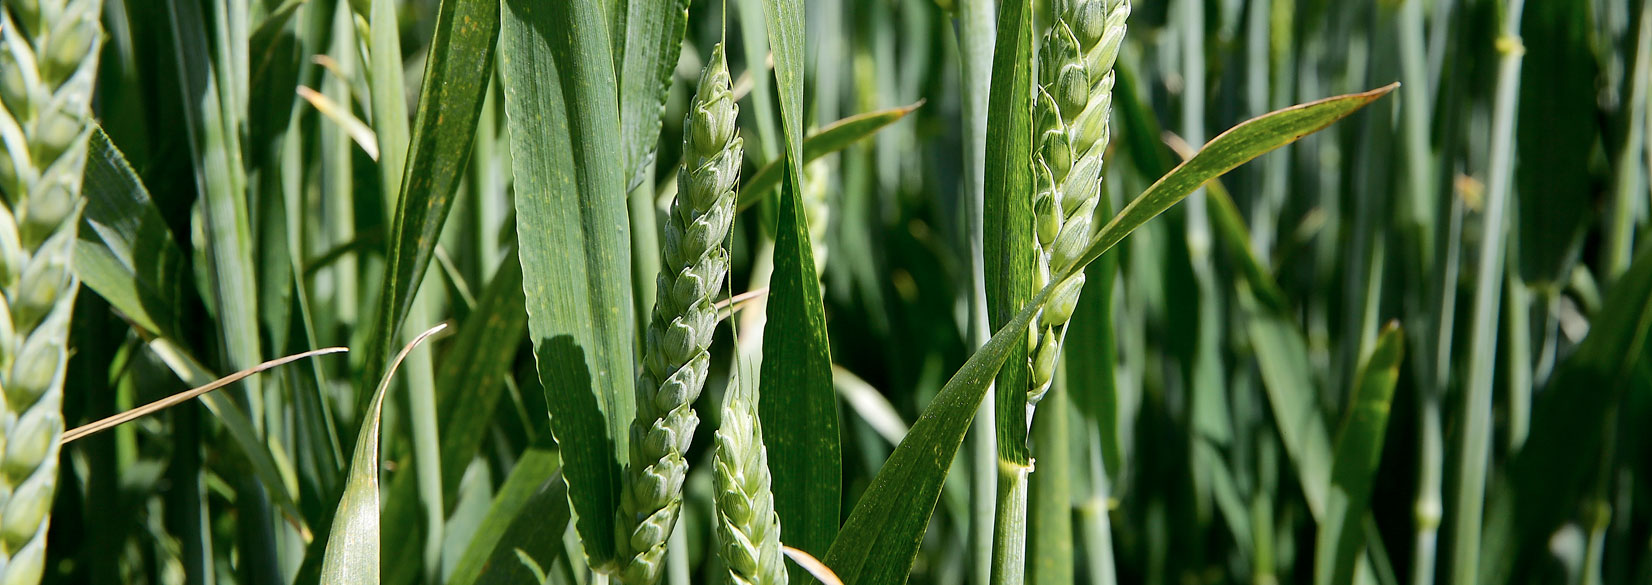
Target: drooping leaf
[
  {"x": 1341, "y": 534},
  {"x": 797, "y": 404},
  {"x": 127, "y": 255},
  {"x": 574, "y": 243},
  {"x": 880, "y": 540},
  {"x": 126, "y": 252}
]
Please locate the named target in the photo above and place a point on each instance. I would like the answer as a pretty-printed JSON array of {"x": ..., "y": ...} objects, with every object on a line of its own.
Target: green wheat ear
[
  {"x": 675, "y": 350},
  {"x": 1075, "y": 98},
  {"x": 748, "y": 529},
  {"x": 48, "y": 63}
]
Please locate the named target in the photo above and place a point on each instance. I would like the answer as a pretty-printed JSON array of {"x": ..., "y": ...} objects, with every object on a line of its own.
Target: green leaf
[
  {"x": 1548, "y": 478},
  {"x": 352, "y": 556},
  {"x": 1341, "y": 534},
  {"x": 1008, "y": 214},
  {"x": 455, "y": 81},
  {"x": 575, "y": 244},
  {"x": 1557, "y": 129},
  {"x": 880, "y": 540},
  {"x": 797, "y": 404},
  {"x": 1237, "y": 146},
  {"x": 529, "y": 516},
  {"x": 469, "y": 383},
  {"x": 212, "y": 121},
  {"x": 835, "y": 137},
  {"x": 1010, "y": 272},
  {"x": 652, "y": 41},
  {"x": 126, "y": 252}
]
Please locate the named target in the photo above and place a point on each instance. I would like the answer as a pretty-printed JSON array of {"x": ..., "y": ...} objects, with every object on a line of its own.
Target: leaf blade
[
  {"x": 1354, "y": 462},
  {"x": 797, "y": 404},
  {"x": 456, "y": 80},
  {"x": 574, "y": 244}
]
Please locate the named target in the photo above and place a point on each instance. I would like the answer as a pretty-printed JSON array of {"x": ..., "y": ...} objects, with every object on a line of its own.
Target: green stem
[
  {"x": 1627, "y": 182},
  {"x": 1098, "y": 532},
  {"x": 976, "y": 36},
  {"x": 1476, "y": 424},
  {"x": 1010, "y": 527}
]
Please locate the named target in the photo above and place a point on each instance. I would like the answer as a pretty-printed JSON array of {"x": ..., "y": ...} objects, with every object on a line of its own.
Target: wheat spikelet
[
  {"x": 48, "y": 62},
  {"x": 1075, "y": 98},
  {"x": 748, "y": 529},
  {"x": 675, "y": 356}
]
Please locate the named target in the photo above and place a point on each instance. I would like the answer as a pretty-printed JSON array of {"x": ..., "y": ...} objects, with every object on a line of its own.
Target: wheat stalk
[
  {"x": 675, "y": 350},
  {"x": 48, "y": 63},
  {"x": 748, "y": 529},
  {"x": 1075, "y": 98}
]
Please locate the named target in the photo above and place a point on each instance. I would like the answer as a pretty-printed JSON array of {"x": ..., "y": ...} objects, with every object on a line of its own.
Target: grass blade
[
  {"x": 1008, "y": 258},
  {"x": 352, "y": 556},
  {"x": 126, "y": 252},
  {"x": 1237, "y": 146},
  {"x": 653, "y": 39},
  {"x": 1557, "y": 127},
  {"x": 455, "y": 81},
  {"x": 1050, "y": 497},
  {"x": 469, "y": 383},
  {"x": 529, "y": 516},
  {"x": 798, "y": 406},
  {"x": 1475, "y": 428},
  {"x": 162, "y": 404},
  {"x": 834, "y": 137},
  {"x": 575, "y": 244},
  {"x": 1354, "y": 464}
]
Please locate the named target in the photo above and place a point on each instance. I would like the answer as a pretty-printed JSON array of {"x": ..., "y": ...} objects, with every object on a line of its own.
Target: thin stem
[
  {"x": 1476, "y": 424},
  {"x": 1431, "y": 443},
  {"x": 976, "y": 37},
  {"x": 1098, "y": 532},
  {"x": 1628, "y": 182}
]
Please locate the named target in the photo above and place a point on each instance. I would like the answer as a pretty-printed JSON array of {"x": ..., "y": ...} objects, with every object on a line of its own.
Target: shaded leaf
[
  {"x": 529, "y": 516},
  {"x": 1358, "y": 450},
  {"x": 574, "y": 243}
]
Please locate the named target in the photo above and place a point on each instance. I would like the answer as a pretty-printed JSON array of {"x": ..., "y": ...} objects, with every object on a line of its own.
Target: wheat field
[{"x": 991, "y": 292}]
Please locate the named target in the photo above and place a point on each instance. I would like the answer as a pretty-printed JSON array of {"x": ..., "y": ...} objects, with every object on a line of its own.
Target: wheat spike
[
  {"x": 48, "y": 62},
  {"x": 1075, "y": 98},
  {"x": 675, "y": 351},
  {"x": 748, "y": 529}
]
